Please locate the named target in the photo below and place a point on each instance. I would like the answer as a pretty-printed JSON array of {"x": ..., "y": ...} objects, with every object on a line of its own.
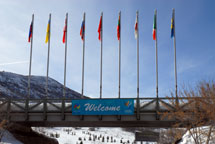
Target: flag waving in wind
[
  {"x": 65, "y": 31},
  {"x": 118, "y": 28},
  {"x": 30, "y": 32},
  {"x": 172, "y": 25},
  {"x": 48, "y": 31},
  {"x": 136, "y": 28},
  {"x": 154, "y": 27},
  {"x": 82, "y": 31},
  {"x": 100, "y": 28}
]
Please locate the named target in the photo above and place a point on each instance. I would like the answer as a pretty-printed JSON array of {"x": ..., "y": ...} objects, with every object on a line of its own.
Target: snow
[
  {"x": 16, "y": 86},
  {"x": 7, "y": 138},
  {"x": 73, "y": 135},
  {"x": 187, "y": 138}
]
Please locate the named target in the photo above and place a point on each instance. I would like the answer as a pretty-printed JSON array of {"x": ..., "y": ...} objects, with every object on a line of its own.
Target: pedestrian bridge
[{"x": 58, "y": 113}]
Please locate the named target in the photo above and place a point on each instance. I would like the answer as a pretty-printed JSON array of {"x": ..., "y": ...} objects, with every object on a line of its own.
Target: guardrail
[{"x": 142, "y": 105}]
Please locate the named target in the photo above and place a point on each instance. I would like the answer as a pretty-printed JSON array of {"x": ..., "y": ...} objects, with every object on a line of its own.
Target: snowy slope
[
  {"x": 76, "y": 135},
  {"x": 187, "y": 138},
  {"x": 15, "y": 86}
]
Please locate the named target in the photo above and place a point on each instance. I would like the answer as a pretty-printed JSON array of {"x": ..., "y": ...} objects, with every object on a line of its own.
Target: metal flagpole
[
  {"x": 101, "y": 55},
  {"x": 64, "y": 86},
  {"x": 156, "y": 57},
  {"x": 47, "y": 73},
  {"x": 176, "y": 85},
  {"x": 138, "y": 102},
  {"x": 119, "y": 53},
  {"x": 156, "y": 53},
  {"x": 82, "y": 90},
  {"x": 29, "y": 77}
]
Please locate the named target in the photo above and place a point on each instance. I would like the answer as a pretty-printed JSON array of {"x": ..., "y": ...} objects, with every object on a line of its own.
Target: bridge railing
[{"x": 145, "y": 105}]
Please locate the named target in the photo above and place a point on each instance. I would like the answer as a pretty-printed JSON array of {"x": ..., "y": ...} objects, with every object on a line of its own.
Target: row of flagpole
[{"x": 100, "y": 31}]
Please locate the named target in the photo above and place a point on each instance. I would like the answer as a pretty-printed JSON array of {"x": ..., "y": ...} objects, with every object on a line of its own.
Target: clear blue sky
[{"x": 195, "y": 22}]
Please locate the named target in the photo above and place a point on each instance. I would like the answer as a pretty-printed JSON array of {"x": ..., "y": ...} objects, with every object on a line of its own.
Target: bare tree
[{"x": 196, "y": 108}]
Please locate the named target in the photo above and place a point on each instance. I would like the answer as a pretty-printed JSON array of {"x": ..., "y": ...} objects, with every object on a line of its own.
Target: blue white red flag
[
  {"x": 82, "y": 31},
  {"x": 30, "y": 32}
]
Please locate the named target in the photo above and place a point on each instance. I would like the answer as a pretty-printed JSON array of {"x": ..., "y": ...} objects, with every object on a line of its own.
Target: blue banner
[{"x": 103, "y": 107}]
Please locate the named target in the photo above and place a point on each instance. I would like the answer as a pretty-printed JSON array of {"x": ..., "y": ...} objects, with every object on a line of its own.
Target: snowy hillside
[{"x": 15, "y": 86}]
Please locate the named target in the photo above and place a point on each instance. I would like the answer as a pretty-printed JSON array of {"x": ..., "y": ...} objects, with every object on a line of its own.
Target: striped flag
[
  {"x": 136, "y": 28},
  {"x": 64, "y": 31},
  {"x": 154, "y": 27},
  {"x": 100, "y": 28},
  {"x": 30, "y": 32},
  {"x": 82, "y": 31},
  {"x": 48, "y": 31},
  {"x": 118, "y": 28},
  {"x": 172, "y": 26}
]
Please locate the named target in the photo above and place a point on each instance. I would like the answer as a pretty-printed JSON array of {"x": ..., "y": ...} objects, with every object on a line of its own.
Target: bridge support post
[
  {"x": 157, "y": 109},
  {"x": 26, "y": 109},
  {"x": 45, "y": 109},
  {"x": 63, "y": 109},
  {"x": 138, "y": 108}
]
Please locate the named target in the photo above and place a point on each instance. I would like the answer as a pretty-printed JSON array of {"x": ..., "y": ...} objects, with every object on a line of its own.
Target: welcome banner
[{"x": 103, "y": 107}]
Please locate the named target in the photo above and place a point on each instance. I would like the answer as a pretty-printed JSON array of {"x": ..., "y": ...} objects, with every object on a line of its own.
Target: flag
[
  {"x": 64, "y": 31},
  {"x": 82, "y": 31},
  {"x": 100, "y": 28},
  {"x": 172, "y": 26},
  {"x": 154, "y": 27},
  {"x": 48, "y": 31},
  {"x": 136, "y": 28},
  {"x": 30, "y": 32},
  {"x": 118, "y": 28}
]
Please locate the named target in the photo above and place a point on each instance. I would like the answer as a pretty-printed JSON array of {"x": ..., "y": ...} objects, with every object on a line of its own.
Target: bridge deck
[{"x": 57, "y": 112}]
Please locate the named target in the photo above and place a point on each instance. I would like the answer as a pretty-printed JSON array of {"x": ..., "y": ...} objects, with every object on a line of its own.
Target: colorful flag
[
  {"x": 64, "y": 31},
  {"x": 48, "y": 31},
  {"x": 118, "y": 28},
  {"x": 172, "y": 26},
  {"x": 30, "y": 32},
  {"x": 136, "y": 28},
  {"x": 154, "y": 27},
  {"x": 100, "y": 28},
  {"x": 82, "y": 31}
]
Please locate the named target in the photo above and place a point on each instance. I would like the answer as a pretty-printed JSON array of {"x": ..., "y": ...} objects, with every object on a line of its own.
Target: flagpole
[
  {"x": 176, "y": 85},
  {"x": 138, "y": 102},
  {"x": 156, "y": 53},
  {"x": 156, "y": 57},
  {"x": 119, "y": 54},
  {"x": 64, "y": 86},
  {"x": 101, "y": 55},
  {"x": 29, "y": 77},
  {"x": 47, "y": 73},
  {"x": 82, "y": 90}
]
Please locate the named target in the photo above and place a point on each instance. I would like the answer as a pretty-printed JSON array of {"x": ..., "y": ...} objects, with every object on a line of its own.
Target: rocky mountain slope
[{"x": 15, "y": 86}]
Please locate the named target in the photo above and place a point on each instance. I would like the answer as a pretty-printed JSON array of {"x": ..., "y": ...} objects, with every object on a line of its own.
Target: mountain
[{"x": 16, "y": 86}]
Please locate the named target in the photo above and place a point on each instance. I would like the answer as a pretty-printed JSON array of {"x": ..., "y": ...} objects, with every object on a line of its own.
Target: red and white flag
[
  {"x": 100, "y": 28},
  {"x": 136, "y": 28},
  {"x": 64, "y": 31}
]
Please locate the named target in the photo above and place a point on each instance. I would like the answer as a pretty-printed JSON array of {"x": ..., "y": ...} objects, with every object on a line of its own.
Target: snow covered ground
[
  {"x": 88, "y": 135},
  {"x": 66, "y": 135}
]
